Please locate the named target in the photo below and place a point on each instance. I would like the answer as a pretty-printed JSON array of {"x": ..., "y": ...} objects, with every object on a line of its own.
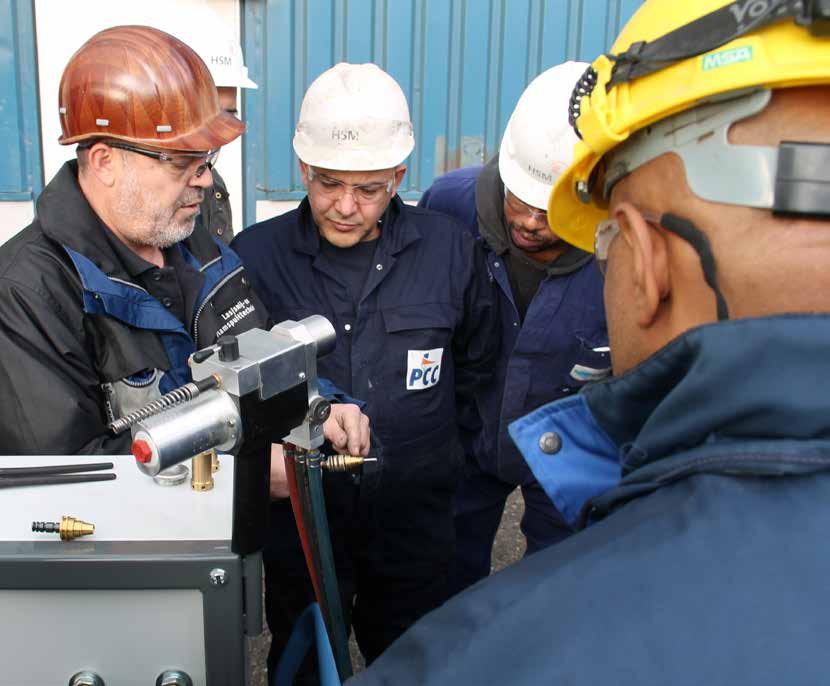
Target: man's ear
[
  {"x": 649, "y": 264},
  {"x": 400, "y": 170},
  {"x": 103, "y": 164},
  {"x": 303, "y": 173}
]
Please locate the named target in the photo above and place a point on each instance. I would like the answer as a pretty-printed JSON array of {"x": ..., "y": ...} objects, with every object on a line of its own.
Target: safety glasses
[
  {"x": 521, "y": 207},
  {"x": 181, "y": 162},
  {"x": 363, "y": 194}
]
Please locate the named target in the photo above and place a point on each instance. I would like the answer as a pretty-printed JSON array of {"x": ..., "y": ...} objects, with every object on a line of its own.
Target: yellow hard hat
[{"x": 670, "y": 57}]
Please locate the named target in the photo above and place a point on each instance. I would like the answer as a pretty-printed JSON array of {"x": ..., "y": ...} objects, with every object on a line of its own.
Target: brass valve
[
  {"x": 69, "y": 528},
  {"x": 202, "y": 473}
]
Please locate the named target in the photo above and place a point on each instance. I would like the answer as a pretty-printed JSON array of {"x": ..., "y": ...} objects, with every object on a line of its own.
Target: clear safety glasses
[
  {"x": 363, "y": 194},
  {"x": 181, "y": 162},
  {"x": 521, "y": 207}
]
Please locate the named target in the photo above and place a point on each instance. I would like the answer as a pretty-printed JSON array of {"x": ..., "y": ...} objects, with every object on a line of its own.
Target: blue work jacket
[
  {"x": 424, "y": 329},
  {"x": 559, "y": 347},
  {"x": 98, "y": 344},
  {"x": 707, "y": 564}
]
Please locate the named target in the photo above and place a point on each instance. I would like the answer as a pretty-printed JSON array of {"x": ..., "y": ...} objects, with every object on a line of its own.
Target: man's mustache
[{"x": 192, "y": 198}]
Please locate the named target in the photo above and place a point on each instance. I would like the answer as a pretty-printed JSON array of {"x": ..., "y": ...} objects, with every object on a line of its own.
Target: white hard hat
[
  {"x": 354, "y": 117},
  {"x": 209, "y": 38},
  {"x": 224, "y": 59},
  {"x": 538, "y": 142}
]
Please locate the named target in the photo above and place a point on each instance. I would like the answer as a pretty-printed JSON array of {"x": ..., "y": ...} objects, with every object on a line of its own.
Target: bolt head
[
  {"x": 550, "y": 443},
  {"x": 86, "y": 679},
  {"x": 174, "y": 677},
  {"x": 583, "y": 192},
  {"x": 218, "y": 577}
]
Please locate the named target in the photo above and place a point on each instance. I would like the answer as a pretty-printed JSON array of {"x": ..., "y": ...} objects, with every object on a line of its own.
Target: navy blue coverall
[
  {"x": 424, "y": 331},
  {"x": 552, "y": 353}
]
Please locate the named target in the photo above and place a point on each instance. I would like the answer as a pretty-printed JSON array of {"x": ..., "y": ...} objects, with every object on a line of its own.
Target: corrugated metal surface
[
  {"x": 461, "y": 63},
  {"x": 21, "y": 177}
]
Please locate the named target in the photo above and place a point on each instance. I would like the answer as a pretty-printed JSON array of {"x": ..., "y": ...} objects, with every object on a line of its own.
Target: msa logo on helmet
[
  {"x": 726, "y": 57},
  {"x": 423, "y": 368}
]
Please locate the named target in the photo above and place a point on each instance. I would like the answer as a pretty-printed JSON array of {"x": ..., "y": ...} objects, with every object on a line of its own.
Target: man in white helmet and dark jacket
[
  {"x": 554, "y": 339},
  {"x": 215, "y": 43},
  {"x": 408, "y": 294}
]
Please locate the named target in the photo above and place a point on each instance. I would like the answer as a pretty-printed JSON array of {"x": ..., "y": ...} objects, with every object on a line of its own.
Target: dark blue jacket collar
[
  {"x": 728, "y": 397},
  {"x": 757, "y": 379},
  {"x": 396, "y": 233},
  {"x": 66, "y": 217}
]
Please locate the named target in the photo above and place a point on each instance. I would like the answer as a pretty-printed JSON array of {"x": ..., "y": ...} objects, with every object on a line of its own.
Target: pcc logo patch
[{"x": 423, "y": 368}]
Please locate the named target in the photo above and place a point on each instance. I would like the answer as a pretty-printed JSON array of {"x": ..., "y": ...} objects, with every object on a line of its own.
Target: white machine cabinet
[{"x": 153, "y": 598}]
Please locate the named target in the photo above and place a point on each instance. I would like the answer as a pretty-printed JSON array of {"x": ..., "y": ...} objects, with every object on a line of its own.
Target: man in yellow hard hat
[{"x": 702, "y": 183}]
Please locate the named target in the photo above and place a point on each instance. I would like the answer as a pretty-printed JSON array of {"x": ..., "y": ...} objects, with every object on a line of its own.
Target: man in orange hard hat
[
  {"x": 702, "y": 184},
  {"x": 114, "y": 284}
]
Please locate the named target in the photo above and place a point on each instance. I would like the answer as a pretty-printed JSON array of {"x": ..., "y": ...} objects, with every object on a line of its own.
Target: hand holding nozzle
[{"x": 347, "y": 429}]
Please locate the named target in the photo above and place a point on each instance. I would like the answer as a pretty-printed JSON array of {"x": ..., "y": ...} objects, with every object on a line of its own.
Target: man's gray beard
[
  {"x": 145, "y": 221},
  {"x": 173, "y": 233}
]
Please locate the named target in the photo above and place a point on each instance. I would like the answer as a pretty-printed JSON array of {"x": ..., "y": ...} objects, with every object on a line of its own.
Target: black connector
[{"x": 815, "y": 15}]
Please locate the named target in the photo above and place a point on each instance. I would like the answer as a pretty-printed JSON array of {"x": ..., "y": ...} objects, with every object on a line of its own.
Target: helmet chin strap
[
  {"x": 713, "y": 30},
  {"x": 700, "y": 243}
]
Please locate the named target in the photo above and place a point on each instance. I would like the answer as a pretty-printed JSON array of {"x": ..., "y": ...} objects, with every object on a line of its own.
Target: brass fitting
[
  {"x": 343, "y": 463},
  {"x": 214, "y": 462},
  {"x": 202, "y": 472},
  {"x": 69, "y": 528}
]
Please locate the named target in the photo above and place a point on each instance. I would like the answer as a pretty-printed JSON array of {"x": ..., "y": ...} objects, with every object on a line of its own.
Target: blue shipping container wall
[
  {"x": 461, "y": 63},
  {"x": 21, "y": 175}
]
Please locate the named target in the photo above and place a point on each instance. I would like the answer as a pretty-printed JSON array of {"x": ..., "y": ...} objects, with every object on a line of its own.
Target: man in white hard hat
[
  {"x": 408, "y": 294},
  {"x": 554, "y": 339},
  {"x": 221, "y": 52}
]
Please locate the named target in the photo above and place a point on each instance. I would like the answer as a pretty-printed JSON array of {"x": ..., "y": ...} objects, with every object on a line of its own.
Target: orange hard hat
[{"x": 139, "y": 84}]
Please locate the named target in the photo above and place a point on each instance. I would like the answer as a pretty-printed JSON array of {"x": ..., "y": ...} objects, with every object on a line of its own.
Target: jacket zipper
[{"x": 212, "y": 292}]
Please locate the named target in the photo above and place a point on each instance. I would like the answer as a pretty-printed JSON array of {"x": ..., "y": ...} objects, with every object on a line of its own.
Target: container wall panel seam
[
  {"x": 461, "y": 63},
  {"x": 21, "y": 175}
]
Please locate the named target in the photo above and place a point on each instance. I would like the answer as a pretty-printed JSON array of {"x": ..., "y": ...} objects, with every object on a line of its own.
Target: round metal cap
[
  {"x": 86, "y": 678},
  {"x": 174, "y": 677},
  {"x": 172, "y": 476}
]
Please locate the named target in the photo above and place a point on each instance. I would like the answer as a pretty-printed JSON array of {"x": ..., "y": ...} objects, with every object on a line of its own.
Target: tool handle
[
  {"x": 13, "y": 482},
  {"x": 55, "y": 469}
]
